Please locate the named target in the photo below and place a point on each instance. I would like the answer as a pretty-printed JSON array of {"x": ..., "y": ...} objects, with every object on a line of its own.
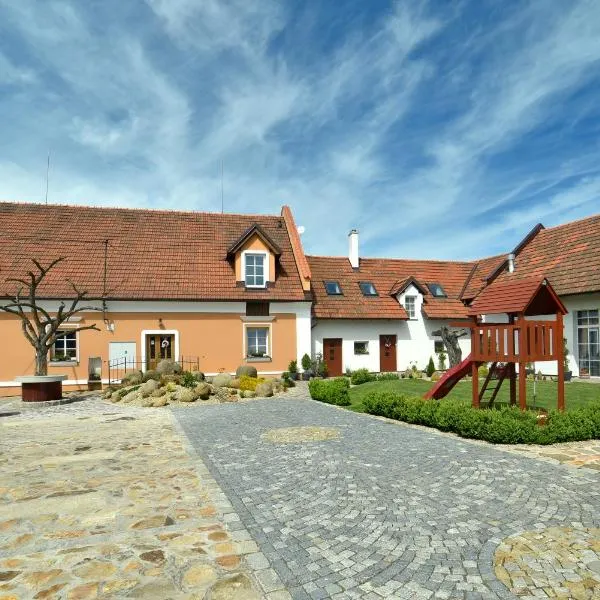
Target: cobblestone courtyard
[
  {"x": 379, "y": 510},
  {"x": 302, "y": 500}
]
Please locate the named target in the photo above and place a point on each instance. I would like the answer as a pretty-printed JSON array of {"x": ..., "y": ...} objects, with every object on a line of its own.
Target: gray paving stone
[{"x": 385, "y": 510}]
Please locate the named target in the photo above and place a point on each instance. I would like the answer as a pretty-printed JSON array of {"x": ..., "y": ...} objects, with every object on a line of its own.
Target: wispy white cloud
[{"x": 406, "y": 123}]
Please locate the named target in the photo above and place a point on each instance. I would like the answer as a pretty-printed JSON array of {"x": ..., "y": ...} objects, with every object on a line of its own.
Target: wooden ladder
[{"x": 500, "y": 377}]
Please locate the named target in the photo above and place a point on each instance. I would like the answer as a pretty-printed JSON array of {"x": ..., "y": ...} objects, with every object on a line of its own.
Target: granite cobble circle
[{"x": 384, "y": 511}]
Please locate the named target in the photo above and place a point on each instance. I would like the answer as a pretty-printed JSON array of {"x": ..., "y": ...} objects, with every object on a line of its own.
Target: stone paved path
[
  {"x": 103, "y": 501},
  {"x": 382, "y": 510}
]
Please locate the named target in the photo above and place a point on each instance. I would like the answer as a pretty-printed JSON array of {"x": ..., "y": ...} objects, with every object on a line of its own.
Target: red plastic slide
[{"x": 450, "y": 379}]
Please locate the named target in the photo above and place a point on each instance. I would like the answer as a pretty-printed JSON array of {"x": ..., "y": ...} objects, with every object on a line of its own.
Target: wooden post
[
  {"x": 522, "y": 363},
  {"x": 560, "y": 357},
  {"x": 475, "y": 391},
  {"x": 512, "y": 371}
]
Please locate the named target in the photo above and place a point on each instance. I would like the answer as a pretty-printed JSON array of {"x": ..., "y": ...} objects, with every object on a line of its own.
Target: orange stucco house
[{"x": 216, "y": 290}]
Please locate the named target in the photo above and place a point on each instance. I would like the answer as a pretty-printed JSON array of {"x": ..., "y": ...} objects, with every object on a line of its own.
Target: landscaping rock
[
  {"x": 198, "y": 375},
  {"x": 151, "y": 374},
  {"x": 133, "y": 396},
  {"x": 168, "y": 367},
  {"x": 222, "y": 380},
  {"x": 247, "y": 370},
  {"x": 133, "y": 378},
  {"x": 149, "y": 387},
  {"x": 224, "y": 395},
  {"x": 162, "y": 401},
  {"x": 186, "y": 395},
  {"x": 264, "y": 390},
  {"x": 203, "y": 391},
  {"x": 146, "y": 402},
  {"x": 115, "y": 397},
  {"x": 158, "y": 392},
  {"x": 235, "y": 384},
  {"x": 248, "y": 394}
]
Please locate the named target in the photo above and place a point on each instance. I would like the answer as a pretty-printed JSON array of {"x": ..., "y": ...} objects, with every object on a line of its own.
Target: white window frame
[
  {"x": 67, "y": 329},
  {"x": 412, "y": 316},
  {"x": 145, "y": 332},
  {"x": 268, "y": 327},
  {"x": 266, "y": 261}
]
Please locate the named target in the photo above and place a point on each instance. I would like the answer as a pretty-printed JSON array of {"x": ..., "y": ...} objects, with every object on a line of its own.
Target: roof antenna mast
[
  {"x": 47, "y": 175},
  {"x": 222, "y": 204}
]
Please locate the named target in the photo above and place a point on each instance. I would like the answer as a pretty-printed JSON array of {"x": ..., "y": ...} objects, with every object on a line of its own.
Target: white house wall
[{"x": 415, "y": 340}]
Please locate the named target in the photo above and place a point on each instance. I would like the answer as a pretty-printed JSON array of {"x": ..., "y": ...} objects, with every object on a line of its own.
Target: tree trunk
[
  {"x": 450, "y": 339},
  {"x": 41, "y": 362}
]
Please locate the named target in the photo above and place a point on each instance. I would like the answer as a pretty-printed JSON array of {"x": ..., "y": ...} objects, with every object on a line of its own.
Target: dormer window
[
  {"x": 437, "y": 291},
  {"x": 410, "y": 303},
  {"x": 367, "y": 288},
  {"x": 254, "y": 269},
  {"x": 333, "y": 288}
]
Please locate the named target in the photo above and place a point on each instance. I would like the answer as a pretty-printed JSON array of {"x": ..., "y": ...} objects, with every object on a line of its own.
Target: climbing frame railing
[{"x": 523, "y": 341}]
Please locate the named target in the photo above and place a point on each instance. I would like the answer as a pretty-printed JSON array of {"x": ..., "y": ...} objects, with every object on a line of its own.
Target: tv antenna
[
  {"x": 222, "y": 196},
  {"x": 47, "y": 175}
]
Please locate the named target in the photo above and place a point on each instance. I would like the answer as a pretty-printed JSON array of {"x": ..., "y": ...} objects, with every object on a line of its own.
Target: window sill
[
  {"x": 258, "y": 359},
  {"x": 63, "y": 363},
  {"x": 361, "y": 354}
]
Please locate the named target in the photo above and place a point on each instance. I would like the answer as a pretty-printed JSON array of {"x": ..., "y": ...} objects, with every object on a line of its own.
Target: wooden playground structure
[{"x": 523, "y": 339}]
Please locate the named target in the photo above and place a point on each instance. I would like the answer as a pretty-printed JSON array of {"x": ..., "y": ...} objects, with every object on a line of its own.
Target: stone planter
[{"x": 41, "y": 388}]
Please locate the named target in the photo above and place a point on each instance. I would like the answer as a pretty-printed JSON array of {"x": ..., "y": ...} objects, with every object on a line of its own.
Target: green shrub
[
  {"x": 293, "y": 366},
  {"x": 387, "y": 376},
  {"x": 331, "y": 391},
  {"x": 188, "y": 380},
  {"x": 306, "y": 362},
  {"x": 430, "y": 367},
  {"x": 483, "y": 370},
  {"x": 361, "y": 376},
  {"x": 502, "y": 425}
]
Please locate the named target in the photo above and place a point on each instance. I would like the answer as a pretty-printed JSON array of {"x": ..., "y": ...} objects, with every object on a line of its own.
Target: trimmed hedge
[
  {"x": 361, "y": 376},
  {"x": 331, "y": 391},
  {"x": 501, "y": 425}
]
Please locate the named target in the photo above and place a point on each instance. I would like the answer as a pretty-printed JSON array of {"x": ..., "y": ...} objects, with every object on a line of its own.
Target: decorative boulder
[
  {"x": 246, "y": 370},
  {"x": 151, "y": 374},
  {"x": 162, "y": 401},
  {"x": 248, "y": 394},
  {"x": 222, "y": 380},
  {"x": 131, "y": 397},
  {"x": 146, "y": 389},
  {"x": 235, "y": 384},
  {"x": 133, "y": 378},
  {"x": 168, "y": 367},
  {"x": 198, "y": 375},
  {"x": 264, "y": 390},
  {"x": 203, "y": 391},
  {"x": 159, "y": 392},
  {"x": 147, "y": 402},
  {"x": 186, "y": 395},
  {"x": 115, "y": 397}
]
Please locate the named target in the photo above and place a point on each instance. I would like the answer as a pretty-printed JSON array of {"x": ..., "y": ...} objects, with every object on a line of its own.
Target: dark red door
[
  {"x": 332, "y": 355},
  {"x": 387, "y": 353}
]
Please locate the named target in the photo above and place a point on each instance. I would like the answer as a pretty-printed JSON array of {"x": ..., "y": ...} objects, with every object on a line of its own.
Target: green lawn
[{"x": 576, "y": 393}]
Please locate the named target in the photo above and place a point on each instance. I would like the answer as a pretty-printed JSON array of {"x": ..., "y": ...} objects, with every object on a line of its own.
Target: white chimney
[
  {"x": 511, "y": 263},
  {"x": 353, "y": 248}
]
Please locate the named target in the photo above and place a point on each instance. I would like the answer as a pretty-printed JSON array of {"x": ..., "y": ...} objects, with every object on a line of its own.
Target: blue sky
[{"x": 439, "y": 129}]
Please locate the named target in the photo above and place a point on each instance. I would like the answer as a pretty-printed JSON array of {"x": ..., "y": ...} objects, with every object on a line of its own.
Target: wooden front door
[
  {"x": 332, "y": 355},
  {"x": 387, "y": 353},
  {"x": 158, "y": 347}
]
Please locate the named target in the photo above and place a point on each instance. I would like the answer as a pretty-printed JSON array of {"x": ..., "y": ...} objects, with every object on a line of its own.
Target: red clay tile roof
[
  {"x": 384, "y": 274},
  {"x": 481, "y": 271},
  {"x": 301, "y": 261},
  {"x": 567, "y": 255},
  {"x": 515, "y": 296},
  {"x": 152, "y": 254}
]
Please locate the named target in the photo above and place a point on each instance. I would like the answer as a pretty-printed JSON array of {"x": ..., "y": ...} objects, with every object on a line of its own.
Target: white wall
[{"x": 415, "y": 338}]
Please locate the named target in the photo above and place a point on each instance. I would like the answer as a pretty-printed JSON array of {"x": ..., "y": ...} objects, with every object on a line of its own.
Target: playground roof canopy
[{"x": 523, "y": 296}]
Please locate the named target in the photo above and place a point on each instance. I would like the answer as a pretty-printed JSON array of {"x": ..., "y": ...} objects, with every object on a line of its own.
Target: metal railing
[{"x": 119, "y": 367}]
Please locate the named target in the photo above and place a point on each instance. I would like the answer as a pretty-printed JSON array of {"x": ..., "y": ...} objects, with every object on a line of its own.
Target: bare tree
[
  {"x": 450, "y": 339},
  {"x": 40, "y": 328}
]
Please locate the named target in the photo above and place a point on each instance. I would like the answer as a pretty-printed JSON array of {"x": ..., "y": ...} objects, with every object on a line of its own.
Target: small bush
[
  {"x": 387, "y": 376},
  {"x": 361, "y": 376},
  {"x": 430, "y": 367},
  {"x": 293, "y": 366},
  {"x": 306, "y": 362},
  {"x": 331, "y": 391},
  {"x": 248, "y": 384},
  {"x": 483, "y": 370},
  {"x": 188, "y": 380},
  {"x": 502, "y": 425}
]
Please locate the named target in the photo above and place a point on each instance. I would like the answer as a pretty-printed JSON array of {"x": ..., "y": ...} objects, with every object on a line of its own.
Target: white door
[{"x": 121, "y": 351}]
